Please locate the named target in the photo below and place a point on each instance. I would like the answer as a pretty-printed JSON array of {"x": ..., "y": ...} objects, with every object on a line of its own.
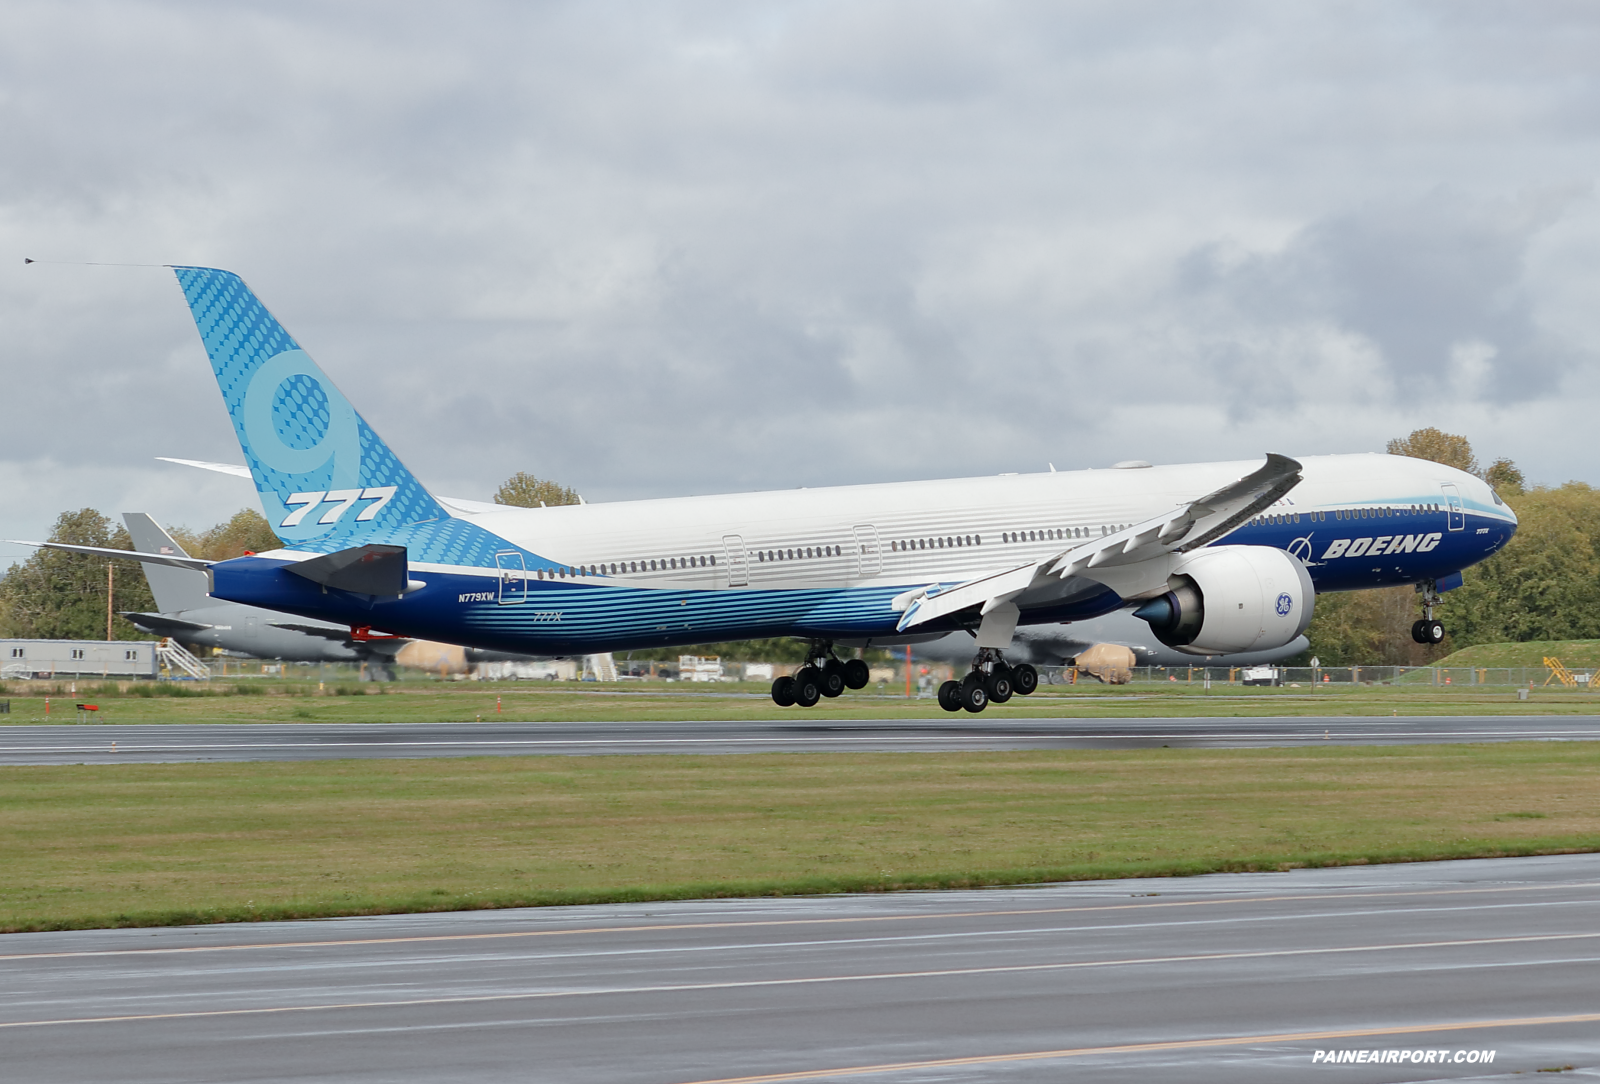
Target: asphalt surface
[
  {"x": 1233, "y": 977},
  {"x": 107, "y": 744}
]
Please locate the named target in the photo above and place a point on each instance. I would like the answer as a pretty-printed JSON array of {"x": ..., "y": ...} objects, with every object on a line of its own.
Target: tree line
[
  {"x": 55, "y": 595},
  {"x": 1545, "y": 585}
]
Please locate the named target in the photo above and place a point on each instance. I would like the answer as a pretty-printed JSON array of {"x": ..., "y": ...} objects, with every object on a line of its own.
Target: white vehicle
[{"x": 1261, "y": 675}]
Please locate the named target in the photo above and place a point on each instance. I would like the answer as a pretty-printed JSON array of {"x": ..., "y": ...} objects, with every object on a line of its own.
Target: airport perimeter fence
[{"x": 1307, "y": 676}]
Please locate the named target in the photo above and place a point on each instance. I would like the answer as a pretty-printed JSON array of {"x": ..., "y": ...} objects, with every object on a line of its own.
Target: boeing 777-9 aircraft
[{"x": 1215, "y": 557}]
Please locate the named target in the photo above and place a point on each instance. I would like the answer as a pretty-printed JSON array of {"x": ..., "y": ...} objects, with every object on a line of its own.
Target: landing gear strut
[
  {"x": 822, "y": 675},
  {"x": 991, "y": 680},
  {"x": 1428, "y": 631}
]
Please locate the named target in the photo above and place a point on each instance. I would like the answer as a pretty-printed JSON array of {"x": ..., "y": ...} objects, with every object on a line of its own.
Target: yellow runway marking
[
  {"x": 746, "y": 984},
  {"x": 758, "y": 923},
  {"x": 1177, "y": 1044}
]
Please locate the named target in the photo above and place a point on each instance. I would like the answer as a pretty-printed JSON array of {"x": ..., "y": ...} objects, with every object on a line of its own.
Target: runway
[
  {"x": 107, "y": 744},
  {"x": 1232, "y": 977}
]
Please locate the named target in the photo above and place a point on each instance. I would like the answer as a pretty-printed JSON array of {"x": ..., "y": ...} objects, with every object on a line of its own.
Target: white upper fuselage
[{"x": 909, "y": 533}]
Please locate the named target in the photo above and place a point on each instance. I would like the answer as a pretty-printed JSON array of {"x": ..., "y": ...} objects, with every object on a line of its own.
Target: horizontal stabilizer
[
  {"x": 128, "y": 555},
  {"x": 373, "y": 569},
  {"x": 238, "y": 470}
]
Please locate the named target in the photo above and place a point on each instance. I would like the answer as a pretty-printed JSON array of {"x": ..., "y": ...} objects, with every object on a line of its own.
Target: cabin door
[
  {"x": 867, "y": 546},
  {"x": 738, "y": 563},
  {"x": 1455, "y": 518},
  {"x": 513, "y": 578}
]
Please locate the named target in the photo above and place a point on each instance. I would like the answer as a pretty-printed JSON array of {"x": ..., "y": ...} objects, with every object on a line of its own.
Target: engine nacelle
[{"x": 1232, "y": 598}]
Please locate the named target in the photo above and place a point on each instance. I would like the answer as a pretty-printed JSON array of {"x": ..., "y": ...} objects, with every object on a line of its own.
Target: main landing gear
[
  {"x": 1428, "y": 631},
  {"x": 822, "y": 675},
  {"x": 992, "y": 680}
]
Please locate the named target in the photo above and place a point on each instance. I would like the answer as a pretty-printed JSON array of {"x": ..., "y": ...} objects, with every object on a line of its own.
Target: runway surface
[
  {"x": 1233, "y": 977},
  {"x": 106, "y": 744}
]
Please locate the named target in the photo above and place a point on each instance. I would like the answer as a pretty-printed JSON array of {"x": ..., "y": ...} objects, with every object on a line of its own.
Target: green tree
[
  {"x": 62, "y": 596},
  {"x": 1370, "y": 627},
  {"x": 247, "y": 532},
  {"x": 1545, "y": 585},
  {"x": 525, "y": 491},
  {"x": 1440, "y": 447},
  {"x": 1506, "y": 479}
]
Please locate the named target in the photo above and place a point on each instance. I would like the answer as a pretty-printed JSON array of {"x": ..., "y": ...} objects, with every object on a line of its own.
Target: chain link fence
[{"x": 1305, "y": 676}]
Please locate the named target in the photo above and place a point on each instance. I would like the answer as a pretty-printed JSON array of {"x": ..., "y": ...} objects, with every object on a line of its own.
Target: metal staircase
[
  {"x": 603, "y": 667},
  {"x": 174, "y": 657}
]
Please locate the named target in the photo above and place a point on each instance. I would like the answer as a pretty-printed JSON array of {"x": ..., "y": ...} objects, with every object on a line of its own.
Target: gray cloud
[
  {"x": 669, "y": 248},
  {"x": 1436, "y": 284}
]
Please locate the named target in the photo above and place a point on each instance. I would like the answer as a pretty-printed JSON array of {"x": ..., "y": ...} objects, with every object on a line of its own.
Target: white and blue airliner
[{"x": 1216, "y": 557}]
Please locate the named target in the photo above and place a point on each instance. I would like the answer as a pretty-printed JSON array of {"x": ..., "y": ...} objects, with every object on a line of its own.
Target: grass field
[
  {"x": 418, "y": 701},
  {"x": 147, "y": 844},
  {"x": 1575, "y": 654}
]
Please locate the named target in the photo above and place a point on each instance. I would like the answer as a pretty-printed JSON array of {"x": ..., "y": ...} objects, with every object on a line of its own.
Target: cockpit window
[{"x": 1496, "y": 496}]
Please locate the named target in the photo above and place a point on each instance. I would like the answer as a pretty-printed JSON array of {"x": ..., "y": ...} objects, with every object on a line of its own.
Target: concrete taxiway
[
  {"x": 1241, "y": 977},
  {"x": 105, "y": 744}
]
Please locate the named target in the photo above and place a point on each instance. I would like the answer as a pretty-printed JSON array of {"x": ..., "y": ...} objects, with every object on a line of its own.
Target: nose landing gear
[
  {"x": 991, "y": 680},
  {"x": 1428, "y": 631}
]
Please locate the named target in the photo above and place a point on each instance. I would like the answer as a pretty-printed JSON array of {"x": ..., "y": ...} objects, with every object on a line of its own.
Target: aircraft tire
[
  {"x": 1432, "y": 633},
  {"x": 856, "y": 674},
  {"x": 832, "y": 682},
  {"x": 974, "y": 697},
  {"x": 998, "y": 686},
  {"x": 1024, "y": 679},
  {"x": 950, "y": 696},
  {"x": 807, "y": 686},
  {"x": 783, "y": 692}
]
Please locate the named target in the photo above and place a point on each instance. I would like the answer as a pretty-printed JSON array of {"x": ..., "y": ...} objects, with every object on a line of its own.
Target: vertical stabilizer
[
  {"x": 175, "y": 589},
  {"x": 326, "y": 480}
]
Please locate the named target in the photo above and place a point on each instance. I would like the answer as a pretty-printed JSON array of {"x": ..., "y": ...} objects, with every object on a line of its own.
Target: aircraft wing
[
  {"x": 327, "y": 632},
  {"x": 1130, "y": 562},
  {"x": 163, "y": 621},
  {"x": 128, "y": 555}
]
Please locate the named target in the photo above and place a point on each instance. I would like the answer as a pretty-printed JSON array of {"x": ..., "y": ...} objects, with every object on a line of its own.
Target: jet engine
[{"x": 1232, "y": 598}]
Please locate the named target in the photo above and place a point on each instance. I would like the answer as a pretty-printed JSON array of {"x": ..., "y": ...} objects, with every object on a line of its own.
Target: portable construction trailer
[{"x": 24, "y": 659}]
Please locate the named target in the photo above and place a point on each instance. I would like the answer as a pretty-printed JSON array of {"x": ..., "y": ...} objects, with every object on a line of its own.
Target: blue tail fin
[{"x": 326, "y": 480}]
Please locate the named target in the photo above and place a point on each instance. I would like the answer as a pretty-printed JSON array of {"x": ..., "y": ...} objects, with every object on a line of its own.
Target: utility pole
[{"x": 111, "y": 570}]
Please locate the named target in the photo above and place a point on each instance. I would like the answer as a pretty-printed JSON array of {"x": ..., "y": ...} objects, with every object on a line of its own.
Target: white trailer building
[{"x": 24, "y": 659}]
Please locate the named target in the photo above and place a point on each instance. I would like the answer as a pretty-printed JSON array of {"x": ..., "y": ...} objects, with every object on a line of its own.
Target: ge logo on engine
[{"x": 1285, "y": 604}]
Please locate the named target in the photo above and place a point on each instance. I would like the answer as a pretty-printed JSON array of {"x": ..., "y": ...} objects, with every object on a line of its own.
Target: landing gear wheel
[
  {"x": 1428, "y": 632},
  {"x": 950, "y": 696},
  {"x": 974, "y": 697},
  {"x": 783, "y": 692},
  {"x": 832, "y": 678},
  {"x": 1024, "y": 679},
  {"x": 856, "y": 674},
  {"x": 998, "y": 686},
  {"x": 807, "y": 686}
]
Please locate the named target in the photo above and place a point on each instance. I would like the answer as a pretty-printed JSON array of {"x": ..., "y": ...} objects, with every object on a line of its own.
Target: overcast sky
[{"x": 661, "y": 249}]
